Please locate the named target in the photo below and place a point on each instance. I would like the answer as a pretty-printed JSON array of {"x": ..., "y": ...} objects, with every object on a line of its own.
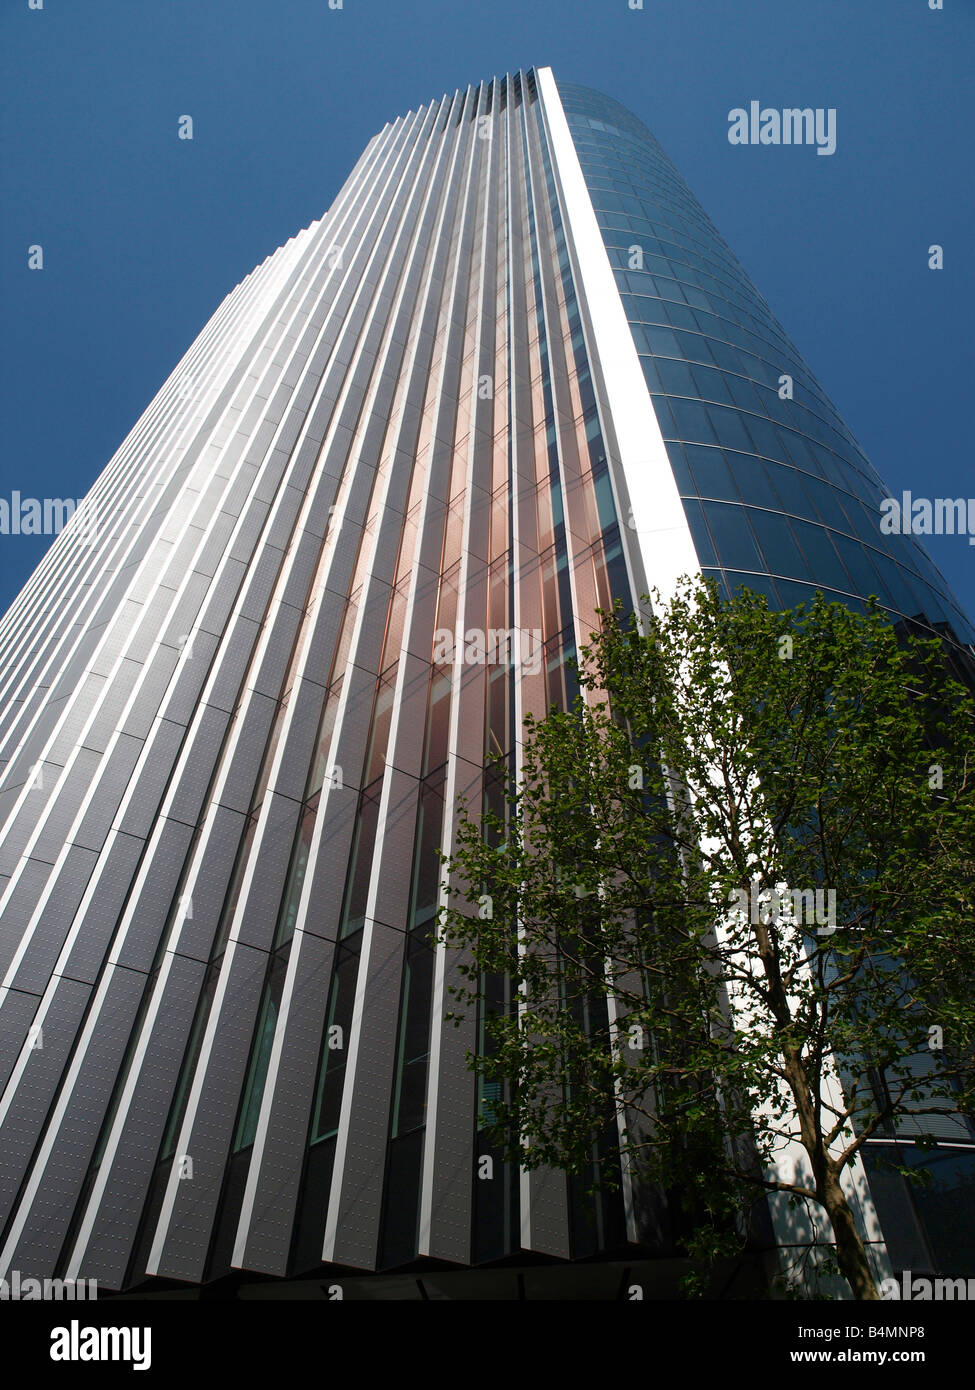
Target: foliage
[{"x": 652, "y": 895}]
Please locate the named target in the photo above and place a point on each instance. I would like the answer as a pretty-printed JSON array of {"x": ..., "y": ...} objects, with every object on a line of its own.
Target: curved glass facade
[{"x": 777, "y": 492}]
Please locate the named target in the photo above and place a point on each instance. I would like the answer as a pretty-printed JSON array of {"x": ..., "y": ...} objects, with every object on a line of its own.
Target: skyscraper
[{"x": 511, "y": 375}]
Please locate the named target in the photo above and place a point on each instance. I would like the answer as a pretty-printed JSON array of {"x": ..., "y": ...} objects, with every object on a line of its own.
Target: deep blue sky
[{"x": 144, "y": 234}]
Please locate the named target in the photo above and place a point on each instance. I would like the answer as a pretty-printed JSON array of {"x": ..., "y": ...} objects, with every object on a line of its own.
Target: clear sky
[{"x": 144, "y": 233}]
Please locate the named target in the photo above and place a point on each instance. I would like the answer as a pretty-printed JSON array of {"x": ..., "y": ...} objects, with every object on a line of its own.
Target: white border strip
[{"x": 657, "y": 517}]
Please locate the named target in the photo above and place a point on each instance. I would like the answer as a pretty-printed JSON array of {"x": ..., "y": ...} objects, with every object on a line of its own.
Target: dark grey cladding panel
[
  {"x": 113, "y": 778},
  {"x": 243, "y": 758},
  {"x": 230, "y": 667},
  {"x": 328, "y": 876},
  {"x": 106, "y": 718},
  {"x": 395, "y": 857},
  {"x": 184, "y": 692},
  {"x": 272, "y": 845},
  {"x": 9, "y": 798},
  {"x": 414, "y": 674},
  {"x": 315, "y": 521},
  {"x": 302, "y": 566},
  {"x": 360, "y": 1178},
  {"x": 267, "y": 484},
  {"x": 261, "y": 578},
  {"x": 270, "y": 667},
  {"x": 183, "y": 614},
  {"x": 158, "y": 674},
  {"x": 303, "y": 715},
  {"x": 451, "y": 1142},
  {"x": 351, "y": 746},
  {"x": 283, "y": 519},
  {"x": 221, "y": 597},
  {"x": 37, "y": 1085},
  {"x": 74, "y": 1141},
  {"x": 64, "y": 806},
  {"x": 19, "y": 908},
  {"x": 232, "y": 498},
  {"x": 64, "y": 895},
  {"x": 12, "y": 717},
  {"x": 117, "y": 866},
  {"x": 419, "y": 639},
  {"x": 16, "y": 1016},
  {"x": 375, "y": 609},
  {"x": 116, "y": 631},
  {"x": 155, "y": 617},
  {"x": 278, "y": 1181},
  {"x": 187, "y": 1237},
  {"x": 163, "y": 747},
  {"x": 115, "y": 1223},
  {"x": 218, "y": 536},
  {"x": 344, "y": 555},
  {"x": 253, "y": 411},
  {"x": 156, "y": 895},
  {"x": 477, "y": 539},
  {"x": 207, "y": 891},
  {"x": 205, "y": 740},
  {"x": 260, "y": 438},
  {"x": 78, "y": 707},
  {"x": 248, "y": 531},
  {"x": 549, "y": 1208}
]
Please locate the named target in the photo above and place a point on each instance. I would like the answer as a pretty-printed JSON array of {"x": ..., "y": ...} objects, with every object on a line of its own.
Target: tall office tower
[{"x": 351, "y": 543}]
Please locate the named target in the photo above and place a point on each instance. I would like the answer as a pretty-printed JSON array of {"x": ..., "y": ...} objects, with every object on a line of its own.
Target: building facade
[{"x": 512, "y": 374}]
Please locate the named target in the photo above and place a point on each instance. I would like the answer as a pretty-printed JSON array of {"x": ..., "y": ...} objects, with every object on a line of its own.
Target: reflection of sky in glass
[{"x": 777, "y": 492}]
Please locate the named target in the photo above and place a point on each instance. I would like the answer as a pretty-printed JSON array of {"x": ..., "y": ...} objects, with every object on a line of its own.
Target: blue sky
[{"x": 144, "y": 234}]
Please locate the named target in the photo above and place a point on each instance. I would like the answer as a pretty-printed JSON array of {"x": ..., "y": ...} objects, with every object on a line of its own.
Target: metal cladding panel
[
  {"x": 393, "y": 861},
  {"x": 183, "y": 1233},
  {"x": 452, "y": 1155},
  {"x": 195, "y": 656},
  {"x": 186, "y": 796},
  {"x": 74, "y": 786},
  {"x": 258, "y": 910},
  {"x": 329, "y": 867},
  {"x": 270, "y": 1204},
  {"x": 279, "y": 635},
  {"x": 113, "y": 778},
  {"x": 105, "y": 1242},
  {"x": 162, "y": 750},
  {"x": 101, "y": 909},
  {"x": 221, "y": 597},
  {"x": 352, "y": 1237},
  {"x": 60, "y": 1169},
  {"x": 242, "y": 760},
  {"x": 24, "y": 1105},
  {"x": 20, "y": 898},
  {"x": 305, "y": 705},
  {"x": 16, "y": 1015},
  {"x": 151, "y": 902},
  {"x": 230, "y": 668},
  {"x": 75, "y": 719},
  {"x": 206, "y": 884},
  {"x": 52, "y": 921}
]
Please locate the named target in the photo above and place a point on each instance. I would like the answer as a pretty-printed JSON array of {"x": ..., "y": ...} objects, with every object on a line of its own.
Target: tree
[{"x": 733, "y": 893}]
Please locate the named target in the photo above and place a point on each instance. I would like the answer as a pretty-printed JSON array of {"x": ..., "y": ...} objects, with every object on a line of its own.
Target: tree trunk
[{"x": 850, "y": 1252}]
